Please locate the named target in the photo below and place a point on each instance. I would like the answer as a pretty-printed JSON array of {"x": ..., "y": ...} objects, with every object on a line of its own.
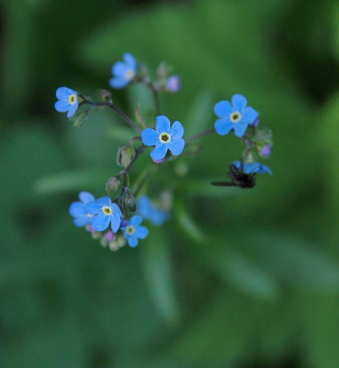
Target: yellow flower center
[
  {"x": 235, "y": 117},
  {"x": 72, "y": 99},
  {"x": 164, "y": 137},
  {"x": 130, "y": 230},
  {"x": 129, "y": 74},
  {"x": 107, "y": 210}
]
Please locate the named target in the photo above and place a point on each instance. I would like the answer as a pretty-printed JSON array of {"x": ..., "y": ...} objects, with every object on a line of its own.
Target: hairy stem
[
  {"x": 200, "y": 135},
  {"x": 116, "y": 109}
]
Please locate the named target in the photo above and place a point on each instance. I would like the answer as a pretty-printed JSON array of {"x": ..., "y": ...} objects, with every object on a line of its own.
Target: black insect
[{"x": 238, "y": 179}]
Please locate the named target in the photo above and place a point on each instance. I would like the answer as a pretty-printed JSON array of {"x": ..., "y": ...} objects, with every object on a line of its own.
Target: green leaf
[
  {"x": 245, "y": 275},
  {"x": 71, "y": 181},
  {"x": 141, "y": 97},
  {"x": 188, "y": 225},
  {"x": 296, "y": 262},
  {"x": 158, "y": 268},
  {"x": 199, "y": 116}
]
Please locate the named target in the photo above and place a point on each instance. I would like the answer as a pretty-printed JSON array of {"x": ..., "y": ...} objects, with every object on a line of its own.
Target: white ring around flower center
[
  {"x": 164, "y": 137},
  {"x": 107, "y": 210},
  {"x": 72, "y": 99},
  {"x": 129, "y": 74},
  {"x": 130, "y": 230},
  {"x": 235, "y": 116}
]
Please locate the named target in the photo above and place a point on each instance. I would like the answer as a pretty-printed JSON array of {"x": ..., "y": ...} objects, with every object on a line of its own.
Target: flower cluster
[
  {"x": 116, "y": 219},
  {"x": 104, "y": 218}
]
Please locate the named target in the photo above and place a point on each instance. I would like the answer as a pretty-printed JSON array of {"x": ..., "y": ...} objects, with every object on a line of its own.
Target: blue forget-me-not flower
[
  {"x": 134, "y": 231},
  {"x": 106, "y": 213},
  {"x": 68, "y": 101},
  {"x": 124, "y": 71},
  {"x": 80, "y": 210},
  {"x": 252, "y": 167},
  {"x": 164, "y": 138},
  {"x": 234, "y": 115},
  {"x": 147, "y": 209}
]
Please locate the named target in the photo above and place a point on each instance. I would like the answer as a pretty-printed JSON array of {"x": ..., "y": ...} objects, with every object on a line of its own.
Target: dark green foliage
[{"x": 235, "y": 277}]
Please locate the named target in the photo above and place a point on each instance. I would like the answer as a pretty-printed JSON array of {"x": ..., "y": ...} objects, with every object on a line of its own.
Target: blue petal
[
  {"x": 240, "y": 129},
  {"x": 118, "y": 82},
  {"x": 77, "y": 209},
  {"x": 236, "y": 164},
  {"x": 119, "y": 69},
  {"x": 72, "y": 110},
  {"x": 86, "y": 197},
  {"x": 81, "y": 221},
  {"x": 159, "y": 152},
  {"x": 142, "y": 232},
  {"x": 158, "y": 217},
  {"x": 223, "y": 109},
  {"x": 263, "y": 169},
  {"x": 115, "y": 219},
  {"x": 132, "y": 241},
  {"x": 223, "y": 126},
  {"x": 251, "y": 168},
  {"x": 177, "y": 130},
  {"x": 135, "y": 220},
  {"x": 144, "y": 206},
  {"x": 62, "y": 93},
  {"x": 176, "y": 146},
  {"x": 163, "y": 124},
  {"x": 239, "y": 102},
  {"x": 104, "y": 201},
  {"x": 116, "y": 209},
  {"x": 249, "y": 115},
  {"x": 149, "y": 137},
  {"x": 130, "y": 61},
  {"x": 61, "y": 106},
  {"x": 101, "y": 222},
  {"x": 93, "y": 208}
]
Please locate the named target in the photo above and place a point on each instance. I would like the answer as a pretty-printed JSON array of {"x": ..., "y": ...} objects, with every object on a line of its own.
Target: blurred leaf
[
  {"x": 296, "y": 262},
  {"x": 245, "y": 275},
  {"x": 328, "y": 132},
  {"x": 322, "y": 335},
  {"x": 199, "y": 115},
  {"x": 120, "y": 133},
  {"x": 222, "y": 332},
  {"x": 90, "y": 143},
  {"x": 18, "y": 56},
  {"x": 141, "y": 97},
  {"x": 188, "y": 225},
  {"x": 71, "y": 181},
  {"x": 27, "y": 156},
  {"x": 158, "y": 268}
]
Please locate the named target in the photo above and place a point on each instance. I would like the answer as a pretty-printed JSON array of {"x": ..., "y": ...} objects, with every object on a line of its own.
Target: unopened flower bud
[
  {"x": 112, "y": 184},
  {"x": 125, "y": 155},
  {"x": 106, "y": 95},
  {"x": 173, "y": 84},
  {"x": 266, "y": 150}
]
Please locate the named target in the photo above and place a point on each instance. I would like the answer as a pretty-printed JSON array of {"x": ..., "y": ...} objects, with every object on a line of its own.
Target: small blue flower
[
  {"x": 124, "y": 71},
  {"x": 164, "y": 138},
  {"x": 149, "y": 211},
  {"x": 236, "y": 115},
  {"x": 80, "y": 210},
  {"x": 68, "y": 101},
  {"x": 133, "y": 231},
  {"x": 252, "y": 167},
  {"x": 105, "y": 213}
]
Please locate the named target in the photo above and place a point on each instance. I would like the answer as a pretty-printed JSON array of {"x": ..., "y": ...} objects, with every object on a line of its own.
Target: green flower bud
[
  {"x": 125, "y": 155},
  {"x": 112, "y": 184},
  {"x": 127, "y": 201}
]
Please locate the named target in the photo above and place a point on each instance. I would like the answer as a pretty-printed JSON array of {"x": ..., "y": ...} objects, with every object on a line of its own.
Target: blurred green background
[{"x": 236, "y": 279}]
